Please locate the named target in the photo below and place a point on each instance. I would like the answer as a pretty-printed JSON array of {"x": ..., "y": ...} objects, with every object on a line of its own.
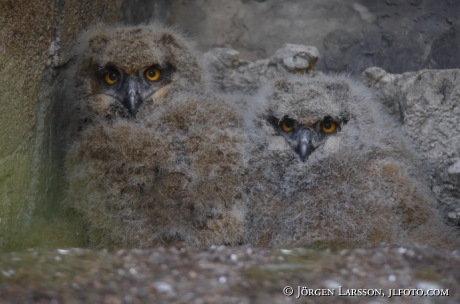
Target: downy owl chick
[
  {"x": 326, "y": 165},
  {"x": 154, "y": 158}
]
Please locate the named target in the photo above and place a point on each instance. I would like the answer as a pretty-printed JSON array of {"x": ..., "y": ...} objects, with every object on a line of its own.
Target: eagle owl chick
[
  {"x": 326, "y": 165},
  {"x": 153, "y": 158}
]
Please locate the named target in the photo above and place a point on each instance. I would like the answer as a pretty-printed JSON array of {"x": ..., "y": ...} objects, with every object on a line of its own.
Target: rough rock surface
[
  {"x": 178, "y": 274},
  {"x": 229, "y": 73},
  {"x": 427, "y": 103},
  {"x": 33, "y": 35},
  {"x": 351, "y": 35}
]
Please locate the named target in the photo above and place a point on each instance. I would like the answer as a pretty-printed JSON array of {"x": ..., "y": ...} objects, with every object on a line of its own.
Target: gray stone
[
  {"x": 455, "y": 168},
  {"x": 229, "y": 73},
  {"x": 427, "y": 103},
  {"x": 350, "y": 35},
  {"x": 145, "y": 11},
  {"x": 295, "y": 57}
]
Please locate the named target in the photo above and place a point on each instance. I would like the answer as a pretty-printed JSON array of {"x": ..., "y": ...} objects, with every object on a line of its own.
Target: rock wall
[
  {"x": 396, "y": 35},
  {"x": 33, "y": 38},
  {"x": 229, "y": 73},
  {"x": 427, "y": 103}
]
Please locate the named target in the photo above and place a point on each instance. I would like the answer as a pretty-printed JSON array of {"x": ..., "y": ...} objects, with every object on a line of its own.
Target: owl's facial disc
[
  {"x": 131, "y": 90},
  {"x": 305, "y": 139}
]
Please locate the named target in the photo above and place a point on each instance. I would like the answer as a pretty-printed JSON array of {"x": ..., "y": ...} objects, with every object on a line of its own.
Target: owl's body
[
  {"x": 326, "y": 165},
  {"x": 154, "y": 158}
]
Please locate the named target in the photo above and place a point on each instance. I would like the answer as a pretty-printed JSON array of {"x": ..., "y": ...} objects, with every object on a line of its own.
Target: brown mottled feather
[{"x": 171, "y": 173}]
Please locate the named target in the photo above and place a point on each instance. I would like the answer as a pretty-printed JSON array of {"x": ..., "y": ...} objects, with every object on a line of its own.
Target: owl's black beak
[
  {"x": 304, "y": 148},
  {"x": 133, "y": 101}
]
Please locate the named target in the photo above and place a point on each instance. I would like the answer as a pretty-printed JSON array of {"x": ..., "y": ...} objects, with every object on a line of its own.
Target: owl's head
[
  {"x": 121, "y": 69},
  {"x": 310, "y": 113}
]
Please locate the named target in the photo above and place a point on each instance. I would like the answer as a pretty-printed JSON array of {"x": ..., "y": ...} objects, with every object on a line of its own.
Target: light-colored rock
[
  {"x": 229, "y": 73},
  {"x": 454, "y": 216},
  {"x": 296, "y": 57},
  {"x": 427, "y": 103},
  {"x": 454, "y": 169}
]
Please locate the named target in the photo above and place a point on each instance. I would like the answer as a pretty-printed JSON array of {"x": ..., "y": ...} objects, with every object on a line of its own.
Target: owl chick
[
  {"x": 154, "y": 159},
  {"x": 120, "y": 71},
  {"x": 327, "y": 166}
]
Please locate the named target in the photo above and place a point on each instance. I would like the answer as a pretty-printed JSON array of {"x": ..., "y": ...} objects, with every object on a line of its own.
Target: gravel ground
[{"x": 181, "y": 274}]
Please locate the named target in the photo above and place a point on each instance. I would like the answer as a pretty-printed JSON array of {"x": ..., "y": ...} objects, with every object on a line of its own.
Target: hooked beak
[
  {"x": 304, "y": 149},
  {"x": 133, "y": 101}
]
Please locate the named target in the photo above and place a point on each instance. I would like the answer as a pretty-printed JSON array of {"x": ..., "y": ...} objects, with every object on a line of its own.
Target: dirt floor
[{"x": 181, "y": 274}]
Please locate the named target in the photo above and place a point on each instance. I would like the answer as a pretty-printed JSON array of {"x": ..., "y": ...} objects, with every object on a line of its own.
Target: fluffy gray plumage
[
  {"x": 326, "y": 165},
  {"x": 154, "y": 159}
]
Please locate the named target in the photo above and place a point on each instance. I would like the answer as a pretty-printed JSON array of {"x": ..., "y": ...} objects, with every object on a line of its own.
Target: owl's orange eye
[
  {"x": 152, "y": 74},
  {"x": 328, "y": 126},
  {"x": 111, "y": 77},
  {"x": 287, "y": 125}
]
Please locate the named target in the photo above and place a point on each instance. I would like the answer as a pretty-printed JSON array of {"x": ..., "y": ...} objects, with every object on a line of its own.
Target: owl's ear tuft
[
  {"x": 169, "y": 39},
  {"x": 284, "y": 86},
  {"x": 98, "y": 43},
  {"x": 271, "y": 119},
  {"x": 345, "y": 118}
]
